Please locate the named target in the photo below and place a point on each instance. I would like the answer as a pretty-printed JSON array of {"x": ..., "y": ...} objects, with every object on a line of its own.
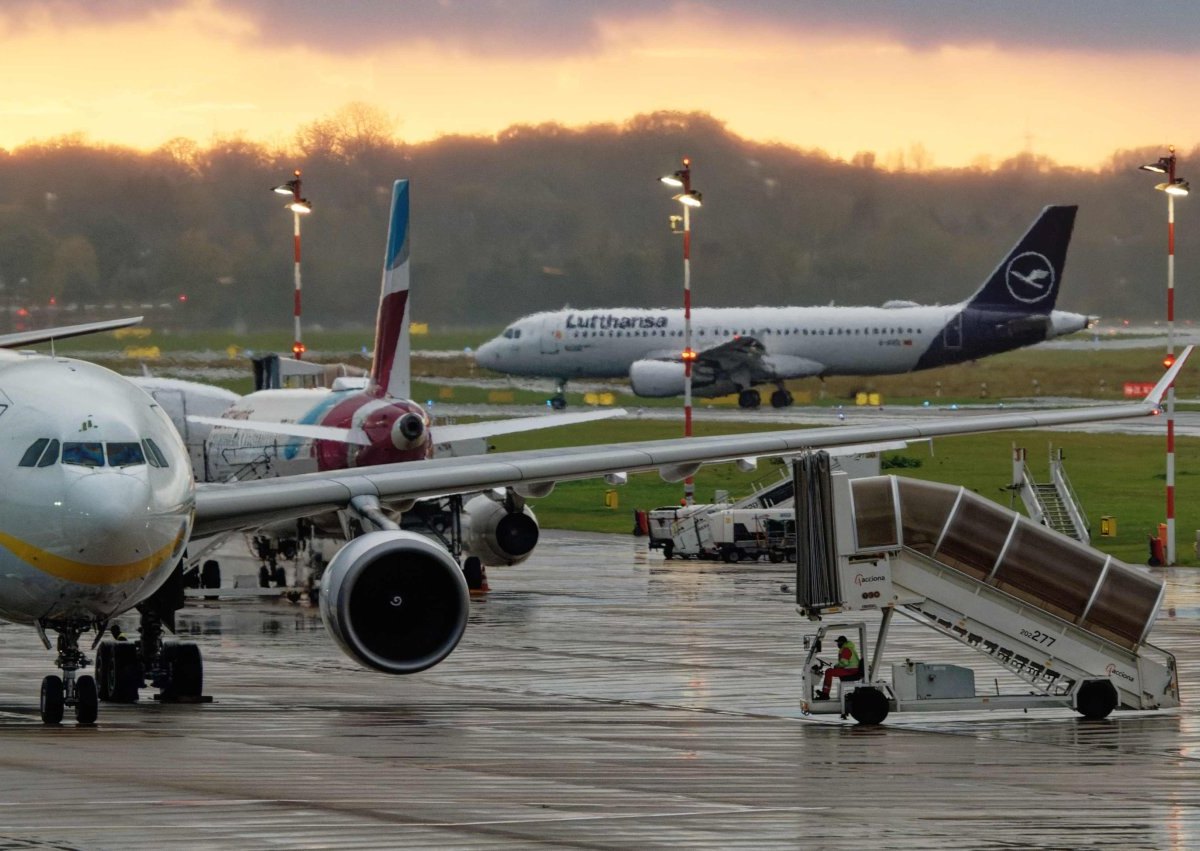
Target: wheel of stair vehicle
[
  {"x": 867, "y": 705},
  {"x": 1096, "y": 699}
]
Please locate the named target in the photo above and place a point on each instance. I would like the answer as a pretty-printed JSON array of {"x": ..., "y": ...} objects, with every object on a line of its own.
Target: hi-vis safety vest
[{"x": 853, "y": 661}]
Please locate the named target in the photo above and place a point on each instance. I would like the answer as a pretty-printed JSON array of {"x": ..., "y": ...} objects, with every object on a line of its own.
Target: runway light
[
  {"x": 1168, "y": 361},
  {"x": 297, "y": 350}
]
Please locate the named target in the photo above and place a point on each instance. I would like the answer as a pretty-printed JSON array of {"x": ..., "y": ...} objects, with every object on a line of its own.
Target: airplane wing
[
  {"x": 441, "y": 434},
  {"x": 748, "y": 356},
  {"x": 222, "y": 507},
  {"x": 43, "y": 335}
]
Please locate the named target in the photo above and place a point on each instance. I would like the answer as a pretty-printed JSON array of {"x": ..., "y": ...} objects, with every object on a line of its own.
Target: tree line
[{"x": 542, "y": 217}]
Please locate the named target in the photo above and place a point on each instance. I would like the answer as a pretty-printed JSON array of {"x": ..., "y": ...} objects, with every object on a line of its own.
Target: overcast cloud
[{"x": 563, "y": 27}]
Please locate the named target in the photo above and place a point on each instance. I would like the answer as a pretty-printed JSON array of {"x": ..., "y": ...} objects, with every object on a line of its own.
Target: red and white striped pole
[
  {"x": 298, "y": 345},
  {"x": 1170, "y": 548},
  {"x": 689, "y": 484},
  {"x": 299, "y": 206},
  {"x": 688, "y": 198},
  {"x": 1173, "y": 186}
]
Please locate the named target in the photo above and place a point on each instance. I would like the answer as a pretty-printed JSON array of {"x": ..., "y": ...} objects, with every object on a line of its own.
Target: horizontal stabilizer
[
  {"x": 306, "y": 432},
  {"x": 443, "y": 434}
]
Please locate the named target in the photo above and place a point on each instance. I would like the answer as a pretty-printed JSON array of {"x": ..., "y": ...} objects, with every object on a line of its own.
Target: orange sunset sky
[{"x": 965, "y": 81}]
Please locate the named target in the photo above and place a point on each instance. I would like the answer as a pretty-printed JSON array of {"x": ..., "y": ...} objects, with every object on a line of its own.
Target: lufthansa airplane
[
  {"x": 100, "y": 504},
  {"x": 737, "y": 348}
]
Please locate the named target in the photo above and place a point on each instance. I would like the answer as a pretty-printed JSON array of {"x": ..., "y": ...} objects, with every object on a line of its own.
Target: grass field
[{"x": 1120, "y": 476}]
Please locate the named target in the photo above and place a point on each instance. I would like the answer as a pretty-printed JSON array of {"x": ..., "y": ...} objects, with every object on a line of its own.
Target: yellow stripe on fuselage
[{"x": 84, "y": 572}]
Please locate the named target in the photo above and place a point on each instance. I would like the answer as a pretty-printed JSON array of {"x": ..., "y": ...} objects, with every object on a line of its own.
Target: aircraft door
[
  {"x": 952, "y": 334},
  {"x": 551, "y": 334}
]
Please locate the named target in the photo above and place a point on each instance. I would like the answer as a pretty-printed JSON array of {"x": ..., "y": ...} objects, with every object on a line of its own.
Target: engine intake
[
  {"x": 395, "y": 601},
  {"x": 497, "y": 535}
]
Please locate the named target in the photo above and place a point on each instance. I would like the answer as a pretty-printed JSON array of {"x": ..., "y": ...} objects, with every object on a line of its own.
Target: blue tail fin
[{"x": 1028, "y": 278}]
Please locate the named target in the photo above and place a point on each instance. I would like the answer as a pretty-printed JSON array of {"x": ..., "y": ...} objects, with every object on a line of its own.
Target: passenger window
[
  {"x": 34, "y": 452},
  {"x": 83, "y": 454},
  {"x": 124, "y": 454},
  {"x": 154, "y": 454}
]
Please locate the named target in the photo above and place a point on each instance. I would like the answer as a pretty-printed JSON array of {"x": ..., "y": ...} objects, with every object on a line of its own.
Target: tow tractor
[{"x": 1068, "y": 620}]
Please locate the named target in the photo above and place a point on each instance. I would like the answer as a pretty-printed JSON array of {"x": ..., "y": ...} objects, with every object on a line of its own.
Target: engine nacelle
[
  {"x": 656, "y": 378},
  {"x": 659, "y": 378},
  {"x": 395, "y": 601},
  {"x": 497, "y": 535}
]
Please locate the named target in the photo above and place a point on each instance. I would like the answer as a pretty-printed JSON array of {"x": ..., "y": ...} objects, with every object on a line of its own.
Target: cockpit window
[
  {"x": 34, "y": 452},
  {"x": 153, "y": 454},
  {"x": 42, "y": 453},
  {"x": 124, "y": 454},
  {"x": 83, "y": 454}
]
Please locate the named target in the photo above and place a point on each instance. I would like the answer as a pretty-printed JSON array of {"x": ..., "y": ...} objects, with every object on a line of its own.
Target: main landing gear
[
  {"x": 781, "y": 397},
  {"x": 124, "y": 666}
]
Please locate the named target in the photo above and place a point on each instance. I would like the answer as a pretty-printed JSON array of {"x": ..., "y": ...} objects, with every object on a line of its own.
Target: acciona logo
[{"x": 1029, "y": 277}]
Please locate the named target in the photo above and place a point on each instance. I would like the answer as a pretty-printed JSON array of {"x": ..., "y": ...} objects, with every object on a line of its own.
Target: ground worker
[{"x": 847, "y": 665}]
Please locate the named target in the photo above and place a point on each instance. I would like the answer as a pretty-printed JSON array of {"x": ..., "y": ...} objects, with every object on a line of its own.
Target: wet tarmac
[{"x": 601, "y": 698}]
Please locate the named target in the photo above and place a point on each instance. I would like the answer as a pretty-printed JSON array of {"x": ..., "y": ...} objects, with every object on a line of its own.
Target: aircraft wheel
[
  {"x": 868, "y": 705},
  {"x": 775, "y": 556},
  {"x": 87, "y": 702},
  {"x": 558, "y": 403},
  {"x": 473, "y": 572},
  {"x": 1096, "y": 699},
  {"x": 749, "y": 399},
  {"x": 668, "y": 550},
  {"x": 104, "y": 673},
  {"x": 52, "y": 699},
  {"x": 781, "y": 399},
  {"x": 186, "y": 671},
  {"x": 123, "y": 676},
  {"x": 210, "y": 574}
]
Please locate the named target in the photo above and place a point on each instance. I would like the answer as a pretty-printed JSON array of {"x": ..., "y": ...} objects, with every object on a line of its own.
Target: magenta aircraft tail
[{"x": 389, "y": 365}]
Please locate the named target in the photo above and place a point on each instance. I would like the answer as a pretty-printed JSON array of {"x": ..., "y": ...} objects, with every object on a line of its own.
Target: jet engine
[
  {"x": 658, "y": 378},
  {"x": 408, "y": 431},
  {"x": 395, "y": 601},
  {"x": 495, "y": 534}
]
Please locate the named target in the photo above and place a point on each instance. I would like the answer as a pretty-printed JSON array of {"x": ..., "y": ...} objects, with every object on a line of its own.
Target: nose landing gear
[{"x": 69, "y": 690}]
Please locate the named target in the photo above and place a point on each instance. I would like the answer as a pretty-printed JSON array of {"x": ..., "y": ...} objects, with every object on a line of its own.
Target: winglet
[{"x": 1154, "y": 397}]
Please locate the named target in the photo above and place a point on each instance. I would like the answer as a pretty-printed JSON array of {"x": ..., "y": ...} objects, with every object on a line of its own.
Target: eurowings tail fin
[
  {"x": 390, "y": 362},
  {"x": 1028, "y": 278}
]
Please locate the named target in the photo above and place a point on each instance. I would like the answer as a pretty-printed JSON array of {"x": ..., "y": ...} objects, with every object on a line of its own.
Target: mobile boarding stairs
[{"x": 1068, "y": 620}]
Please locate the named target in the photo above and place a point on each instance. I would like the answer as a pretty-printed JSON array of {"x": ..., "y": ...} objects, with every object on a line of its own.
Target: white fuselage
[
  {"x": 97, "y": 507},
  {"x": 603, "y": 343}
]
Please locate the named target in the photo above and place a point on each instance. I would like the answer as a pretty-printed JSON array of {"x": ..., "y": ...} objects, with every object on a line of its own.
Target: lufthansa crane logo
[{"x": 1030, "y": 277}]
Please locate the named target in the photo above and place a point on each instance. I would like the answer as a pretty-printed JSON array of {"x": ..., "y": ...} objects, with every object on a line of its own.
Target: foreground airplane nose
[{"x": 107, "y": 513}]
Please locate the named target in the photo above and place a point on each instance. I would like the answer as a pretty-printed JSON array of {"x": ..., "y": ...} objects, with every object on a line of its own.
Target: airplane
[
  {"x": 101, "y": 505},
  {"x": 737, "y": 348},
  {"x": 358, "y": 422}
]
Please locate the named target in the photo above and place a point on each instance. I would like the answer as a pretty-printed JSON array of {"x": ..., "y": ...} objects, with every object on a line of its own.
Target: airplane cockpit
[{"x": 47, "y": 451}]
